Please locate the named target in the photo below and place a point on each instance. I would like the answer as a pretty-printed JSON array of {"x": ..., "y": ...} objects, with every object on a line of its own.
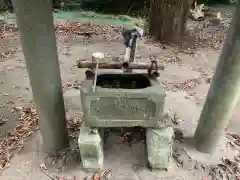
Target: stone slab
[
  {"x": 159, "y": 146},
  {"x": 91, "y": 149}
]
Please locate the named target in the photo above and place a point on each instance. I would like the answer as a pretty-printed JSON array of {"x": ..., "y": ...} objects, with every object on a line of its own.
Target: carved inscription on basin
[{"x": 122, "y": 108}]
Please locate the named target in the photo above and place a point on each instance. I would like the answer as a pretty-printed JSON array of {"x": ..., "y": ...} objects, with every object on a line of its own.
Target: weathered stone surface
[
  {"x": 91, "y": 149},
  {"x": 134, "y": 101},
  {"x": 159, "y": 146}
]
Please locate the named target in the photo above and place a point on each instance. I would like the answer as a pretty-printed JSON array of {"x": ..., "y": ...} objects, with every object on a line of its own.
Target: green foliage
[
  {"x": 113, "y": 5},
  {"x": 5, "y": 5},
  {"x": 232, "y": 1},
  {"x": 218, "y": 1}
]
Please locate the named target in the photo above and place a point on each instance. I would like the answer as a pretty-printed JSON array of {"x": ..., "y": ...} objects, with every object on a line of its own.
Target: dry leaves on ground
[
  {"x": 105, "y": 175},
  {"x": 15, "y": 139},
  {"x": 73, "y": 29},
  {"x": 188, "y": 84},
  {"x": 28, "y": 124},
  {"x": 67, "y": 31},
  {"x": 8, "y": 30},
  {"x": 184, "y": 160},
  {"x": 128, "y": 135},
  {"x": 76, "y": 85},
  {"x": 132, "y": 135},
  {"x": 170, "y": 117},
  {"x": 74, "y": 124},
  {"x": 234, "y": 140},
  {"x": 183, "y": 86},
  {"x": 207, "y": 78},
  {"x": 178, "y": 135},
  {"x": 89, "y": 30},
  {"x": 207, "y": 35},
  {"x": 227, "y": 169},
  {"x": 68, "y": 157},
  {"x": 9, "y": 52}
]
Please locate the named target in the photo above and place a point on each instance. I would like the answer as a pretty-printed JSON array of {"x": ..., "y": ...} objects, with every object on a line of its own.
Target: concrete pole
[
  {"x": 13, "y": 3},
  {"x": 223, "y": 93},
  {"x": 35, "y": 21}
]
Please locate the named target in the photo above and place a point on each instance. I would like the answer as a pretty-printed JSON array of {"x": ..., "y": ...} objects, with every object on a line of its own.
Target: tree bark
[{"x": 167, "y": 19}]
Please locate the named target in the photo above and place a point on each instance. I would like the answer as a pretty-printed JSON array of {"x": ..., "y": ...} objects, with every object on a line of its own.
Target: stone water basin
[{"x": 122, "y": 100}]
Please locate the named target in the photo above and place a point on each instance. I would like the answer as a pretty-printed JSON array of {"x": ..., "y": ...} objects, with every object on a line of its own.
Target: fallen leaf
[
  {"x": 106, "y": 174},
  {"x": 235, "y": 136},
  {"x": 43, "y": 166}
]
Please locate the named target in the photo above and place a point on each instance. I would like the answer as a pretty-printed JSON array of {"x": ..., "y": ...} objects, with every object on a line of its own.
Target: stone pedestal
[
  {"x": 124, "y": 100},
  {"x": 91, "y": 149},
  {"x": 159, "y": 146}
]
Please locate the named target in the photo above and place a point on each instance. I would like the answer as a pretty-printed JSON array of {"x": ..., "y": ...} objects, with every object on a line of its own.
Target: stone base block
[
  {"x": 159, "y": 147},
  {"x": 91, "y": 149}
]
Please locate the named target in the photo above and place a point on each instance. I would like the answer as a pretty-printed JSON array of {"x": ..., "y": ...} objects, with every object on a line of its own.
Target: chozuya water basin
[{"x": 122, "y": 100}]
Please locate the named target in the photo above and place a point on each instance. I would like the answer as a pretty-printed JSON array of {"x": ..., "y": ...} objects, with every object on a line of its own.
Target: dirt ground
[{"x": 186, "y": 79}]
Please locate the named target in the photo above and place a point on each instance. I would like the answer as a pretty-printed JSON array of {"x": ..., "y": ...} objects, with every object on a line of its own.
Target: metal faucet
[{"x": 130, "y": 41}]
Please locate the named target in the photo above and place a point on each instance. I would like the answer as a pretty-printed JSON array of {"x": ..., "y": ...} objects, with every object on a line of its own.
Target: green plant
[
  {"x": 218, "y": 1},
  {"x": 232, "y": 1}
]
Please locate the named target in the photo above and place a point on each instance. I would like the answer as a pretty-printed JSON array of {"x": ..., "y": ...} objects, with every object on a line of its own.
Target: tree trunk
[{"x": 167, "y": 19}]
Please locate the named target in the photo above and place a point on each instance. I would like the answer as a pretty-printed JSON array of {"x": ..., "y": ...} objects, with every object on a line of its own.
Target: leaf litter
[
  {"x": 228, "y": 168},
  {"x": 16, "y": 138},
  {"x": 90, "y": 31},
  {"x": 67, "y": 32}
]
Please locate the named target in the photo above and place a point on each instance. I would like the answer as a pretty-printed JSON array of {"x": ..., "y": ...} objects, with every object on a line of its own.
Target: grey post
[
  {"x": 133, "y": 49},
  {"x": 35, "y": 21},
  {"x": 137, "y": 34},
  {"x": 130, "y": 41},
  {"x": 223, "y": 93}
]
